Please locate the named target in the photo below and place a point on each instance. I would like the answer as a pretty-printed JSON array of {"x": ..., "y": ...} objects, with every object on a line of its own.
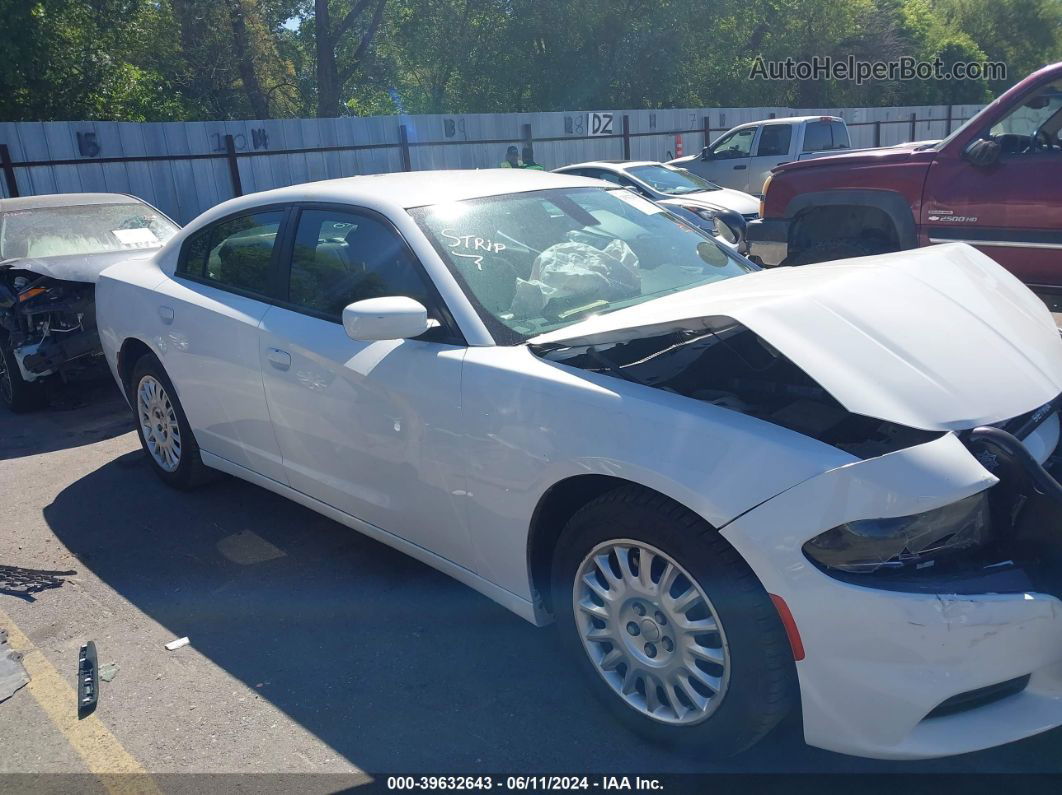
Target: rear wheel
[
  {"x": 162, "y": 426},
  {"x": 669, "y": 625},
  {"x": 16, "y": 393}
]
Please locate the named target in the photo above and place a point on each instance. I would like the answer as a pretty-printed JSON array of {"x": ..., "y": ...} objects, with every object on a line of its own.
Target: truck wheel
[
  {"x": 836, "y": 249},
  {"x": 16, "y": 393},
  {"x": 162, "y": 426},
  {"x": 669, "y": 625}
]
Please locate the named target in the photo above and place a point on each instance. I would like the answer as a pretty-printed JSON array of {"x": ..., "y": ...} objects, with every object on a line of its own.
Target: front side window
[
  {"x": 672, "y": 181},
  {"x": 775, "y": 140},
  {"x": 1035, "y": 125},
  {"x": 539, "y": 261},
  {"x": 82, "y": 229},
  {"x": 236, "y": 252},
  {"x": 735, "y": 144},
  {"x": 342, "y": 257}
]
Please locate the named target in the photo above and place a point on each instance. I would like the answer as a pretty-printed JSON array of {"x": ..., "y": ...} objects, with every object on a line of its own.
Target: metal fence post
[
  {"x": 626, "y": 137},
  {"x": 877, "y": 133},
  {"x": 947, "y": 128},
  {"x": 707, "y": 131},
  {"x": 234, "y": 167},
  {"x": 9, "y": 172},
  {"x": 914, "y": 131},
  {"x": 527, "y": 139},
  {"x": 403, "y": 140}
]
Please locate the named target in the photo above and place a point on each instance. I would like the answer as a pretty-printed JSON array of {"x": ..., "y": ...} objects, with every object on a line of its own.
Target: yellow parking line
[{"x": 104, "y": 756}]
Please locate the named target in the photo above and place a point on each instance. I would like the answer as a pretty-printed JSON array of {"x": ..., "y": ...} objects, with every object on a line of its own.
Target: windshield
[
  {"x": 82, "y": 229},
  {"x": 673, "y": 181},
  {"x": 535, "y": 262}
]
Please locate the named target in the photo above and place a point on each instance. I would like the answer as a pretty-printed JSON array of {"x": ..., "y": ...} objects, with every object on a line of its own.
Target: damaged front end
[
  {"x": 48, "y": 325},
  {"x": 1007, "y": 538},
  {"x": 726, "y": 364}
]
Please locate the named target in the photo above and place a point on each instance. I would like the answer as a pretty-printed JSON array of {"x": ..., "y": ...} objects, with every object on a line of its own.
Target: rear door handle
[
  {"x": 166, "y": 314},
  {"x": 278, "y": 358},
  {"x": 740, "y": 168}
]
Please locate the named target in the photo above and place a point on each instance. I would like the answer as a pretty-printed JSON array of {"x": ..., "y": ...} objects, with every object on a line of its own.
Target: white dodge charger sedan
[{"x": 738, "y": 492}]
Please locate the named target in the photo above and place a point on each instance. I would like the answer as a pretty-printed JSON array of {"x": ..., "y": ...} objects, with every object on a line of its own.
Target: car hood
[
  {"x": 940, "y": 338},
  {"x": 723, "y": 199},
  {"x": 76, "y": 267},
  {"x": 901, "y": 153}
]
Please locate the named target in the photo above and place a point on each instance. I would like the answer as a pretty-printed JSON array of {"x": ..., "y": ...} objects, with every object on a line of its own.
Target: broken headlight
[{"x": 917, "y": 541}]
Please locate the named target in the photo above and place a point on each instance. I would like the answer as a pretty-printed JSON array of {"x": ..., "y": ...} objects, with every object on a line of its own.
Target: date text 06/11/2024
[{"x": 524, "y": 783}]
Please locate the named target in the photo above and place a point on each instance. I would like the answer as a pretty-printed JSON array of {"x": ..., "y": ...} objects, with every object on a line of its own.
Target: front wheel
[{"x": 669, "y": 625}]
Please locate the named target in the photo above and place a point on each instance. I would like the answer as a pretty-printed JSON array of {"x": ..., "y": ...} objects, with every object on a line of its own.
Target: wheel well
[
  {"x": 554, "y": 509},
  {"x": 131, "y": 351},
  {"x": 831, "y": 222}
]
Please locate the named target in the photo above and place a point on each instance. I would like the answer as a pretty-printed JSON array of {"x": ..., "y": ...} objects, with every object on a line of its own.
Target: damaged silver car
[{"x": 52, "y": 249}]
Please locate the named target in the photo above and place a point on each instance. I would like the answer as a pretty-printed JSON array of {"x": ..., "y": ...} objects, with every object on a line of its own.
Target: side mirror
[
  {"x": 394, "y": 317},
  {"x": 982, "y": 152},
  {"x": 707, "y": 154}
]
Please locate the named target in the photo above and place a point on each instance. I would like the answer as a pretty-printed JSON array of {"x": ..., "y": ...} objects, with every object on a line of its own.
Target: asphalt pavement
[{"x": 312, "y": 648}]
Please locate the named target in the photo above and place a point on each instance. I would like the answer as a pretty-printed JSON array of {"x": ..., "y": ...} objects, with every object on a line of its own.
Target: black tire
[
  {"x": 16, "y": 393},
  {"x": 190, "y": 470},
  {"x": 761, "y": 689},
  {"x": 842, "y": 248}
]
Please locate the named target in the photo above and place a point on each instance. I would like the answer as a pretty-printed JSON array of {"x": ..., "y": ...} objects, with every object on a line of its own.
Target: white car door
[
  {"x": 771, "y": 149},
  {"x": 728, "y": 164},
  {"x": 370, "y": 428},
  {"x": 208, "y": 315}
]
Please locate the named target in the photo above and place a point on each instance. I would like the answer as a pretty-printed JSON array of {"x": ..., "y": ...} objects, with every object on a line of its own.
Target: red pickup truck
[{"x": 996, "y": 183}]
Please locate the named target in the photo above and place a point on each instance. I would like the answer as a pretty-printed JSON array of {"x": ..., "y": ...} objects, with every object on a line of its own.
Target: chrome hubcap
[
  {"x": 651, "y": 632},
  {"x": 158, "y": 422}
]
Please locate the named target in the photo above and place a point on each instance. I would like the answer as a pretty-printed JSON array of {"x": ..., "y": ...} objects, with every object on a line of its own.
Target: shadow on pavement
[
  {"x": 78, "y": 413},
  {"x": 394, "y": 665}
]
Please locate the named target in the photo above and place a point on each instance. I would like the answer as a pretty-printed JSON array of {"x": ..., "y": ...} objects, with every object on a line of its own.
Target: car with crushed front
[
  {"x": 52, "y": 249},
  {"x": 737, "y": 492}
]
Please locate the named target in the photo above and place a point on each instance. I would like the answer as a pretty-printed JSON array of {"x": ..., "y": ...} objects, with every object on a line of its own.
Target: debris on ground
[
  {"x": 13, "y": 676},
  {"x": 23, "y": 583},
  {"x": 88, "y": 686},
  {"x": 176, "y": 644},
  {"x": 109, "y": 671}
]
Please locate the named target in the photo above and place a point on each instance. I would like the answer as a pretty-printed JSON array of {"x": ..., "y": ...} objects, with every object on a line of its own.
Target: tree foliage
[{"x": 197, "y": 59}]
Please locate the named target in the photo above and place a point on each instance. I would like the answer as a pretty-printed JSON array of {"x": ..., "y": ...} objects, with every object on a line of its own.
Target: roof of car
[
  {"x": 788, "y": 120},
  {"x": 407, "y": 189},
  {"x": 607, "y": 163},
  {"x": 63, "y": 200}
]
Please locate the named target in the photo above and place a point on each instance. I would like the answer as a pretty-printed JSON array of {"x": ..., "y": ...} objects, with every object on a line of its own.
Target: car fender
[{"x": 893, "y": 204}]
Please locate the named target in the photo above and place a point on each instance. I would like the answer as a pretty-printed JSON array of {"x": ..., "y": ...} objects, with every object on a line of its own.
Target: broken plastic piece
[
  {"x": 176, "y": 644},
  {"x": 12, "y": 675},
  {"x": 87, "y": 680},
  {"x": 109, "y": 671}
]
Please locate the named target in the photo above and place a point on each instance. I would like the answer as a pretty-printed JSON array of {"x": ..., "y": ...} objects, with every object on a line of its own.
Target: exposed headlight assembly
[{"x": 911, "y": 542}]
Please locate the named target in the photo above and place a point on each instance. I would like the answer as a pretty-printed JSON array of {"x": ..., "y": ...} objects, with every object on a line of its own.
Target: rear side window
[
  {"x": 817, "y": 136},
  {"x": 236, "y": 253},
  {"x": 822, "y": 136},
  {"x": 775, "y": 139}
]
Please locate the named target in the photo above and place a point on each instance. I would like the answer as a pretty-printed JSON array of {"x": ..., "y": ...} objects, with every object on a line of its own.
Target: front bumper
[
  {"x": 879, "y": 662},
  {"x": 769, "y": 240}
]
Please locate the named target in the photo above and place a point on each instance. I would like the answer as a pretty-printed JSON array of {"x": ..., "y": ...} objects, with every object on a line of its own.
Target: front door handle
[
  {"x": 740, "y": 168},
  {"x": 278, "y": 358},
  {"x": 166, "y": 314}
]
